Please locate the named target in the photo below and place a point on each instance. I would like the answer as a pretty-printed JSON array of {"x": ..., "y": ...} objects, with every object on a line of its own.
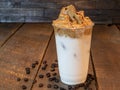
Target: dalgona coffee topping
[{"x": 72, "y": 23}]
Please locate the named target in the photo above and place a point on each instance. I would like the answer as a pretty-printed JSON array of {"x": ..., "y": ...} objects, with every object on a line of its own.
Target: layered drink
[{"x": 73, "y": 39}]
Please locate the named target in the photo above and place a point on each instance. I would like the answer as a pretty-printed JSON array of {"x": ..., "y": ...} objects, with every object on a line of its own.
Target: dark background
[{"x": 100, "y": 11}]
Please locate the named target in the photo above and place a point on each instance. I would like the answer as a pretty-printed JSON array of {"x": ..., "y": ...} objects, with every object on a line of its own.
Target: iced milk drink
[{"x": 73, "y": 38}]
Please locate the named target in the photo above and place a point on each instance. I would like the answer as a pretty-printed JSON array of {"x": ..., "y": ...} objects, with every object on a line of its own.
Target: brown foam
[{"x": 72, "y": 23}]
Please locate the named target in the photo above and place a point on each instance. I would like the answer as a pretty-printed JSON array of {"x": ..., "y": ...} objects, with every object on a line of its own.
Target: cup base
[{"x": 71, "y": 82}]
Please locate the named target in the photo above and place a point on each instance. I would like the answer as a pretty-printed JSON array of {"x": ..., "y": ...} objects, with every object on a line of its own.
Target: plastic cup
[{"x": 73, "y": 52}]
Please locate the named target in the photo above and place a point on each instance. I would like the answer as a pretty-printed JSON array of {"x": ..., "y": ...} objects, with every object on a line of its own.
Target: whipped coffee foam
[{"x": 73, "y": 22}]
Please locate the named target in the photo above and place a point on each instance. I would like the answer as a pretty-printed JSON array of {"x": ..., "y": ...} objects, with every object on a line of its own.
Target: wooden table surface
[{"x": 23, "y": 44}]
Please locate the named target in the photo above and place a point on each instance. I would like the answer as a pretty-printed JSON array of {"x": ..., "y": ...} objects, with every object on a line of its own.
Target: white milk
[{"x": 73, "y": 58}]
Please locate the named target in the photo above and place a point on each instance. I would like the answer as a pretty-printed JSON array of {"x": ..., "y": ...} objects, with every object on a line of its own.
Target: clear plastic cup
[
  {"x": 73, "y": 51},
  {"x": 73, "y": 33}
]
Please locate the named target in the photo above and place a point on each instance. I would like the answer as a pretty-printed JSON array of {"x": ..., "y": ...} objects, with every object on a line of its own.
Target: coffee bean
[
  {"x": 36, "y": 62},
  {"x": 40, "y": 85},
  {"x": 56, "y": 60},
  {"x": 27, "y": 70},
  {"x": 89, "y": 76},
  {"x": 50, "y": 79},
  {"x": 41, "y": 76},
  {"x": 49, "y": 86},
  {"x": 33, "y": 65},
  {"x": 54, "y": 78},
  {"x": 24, "y": 87},
  {"x": 46, "y": 65},
  {"x": 54, "y": 74},
  {"x": 53, "y": 65},
  {"x": 44, "y": 62},
  {"x": 43, "y": 68},
  {"x": 89, "y": 82},
  {"x": 76, "y": 86},
  {"x": 93, "y": 78},
  {"x": 18, "y": 79},
  {"x": 56, "y": 65},
  {"x": 90, "y": 79},
  {"x": 81, "y": 85},
  {"x": 55, "y": 86},
  {"x": 52, "y": 69},
  {"x": 86, "y": 85},
  {"x": 61, "y": 88},
  {"x": 48, "y": 74},
  {"x": 57, "y": 80},
  {"x": 69, "y": 87},
  {"x": 26, "y": 79}
]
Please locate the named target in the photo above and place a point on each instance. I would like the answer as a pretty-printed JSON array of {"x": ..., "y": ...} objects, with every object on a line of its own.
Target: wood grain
[
  {"x": 105, "y": 51},
  {"x": 101, "y": 4},
  {"x": 6, "y": 30},
  {"x": 25, "y": 47},
  {"x": 50, "y": 57}
]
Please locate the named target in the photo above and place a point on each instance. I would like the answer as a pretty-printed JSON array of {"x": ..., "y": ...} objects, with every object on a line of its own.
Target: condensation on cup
[{"x": 73, "y": 39}]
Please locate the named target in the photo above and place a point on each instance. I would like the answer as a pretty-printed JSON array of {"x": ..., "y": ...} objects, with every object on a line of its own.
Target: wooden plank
[
  {"x": 51, "y": 57},
  {"x": 25, "y": 47},
  {"x": 103, "y": 4},
  {"x": 11, "y": 19},
  {"x": 105, "y": 51},
  {"x": 21, "y": 12},
  {"x": 85, "y": 4},
  {"x": 116, "y": 20},
  {"x": 47, "y": 10},
  {"x": 6, "y": 30}
]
